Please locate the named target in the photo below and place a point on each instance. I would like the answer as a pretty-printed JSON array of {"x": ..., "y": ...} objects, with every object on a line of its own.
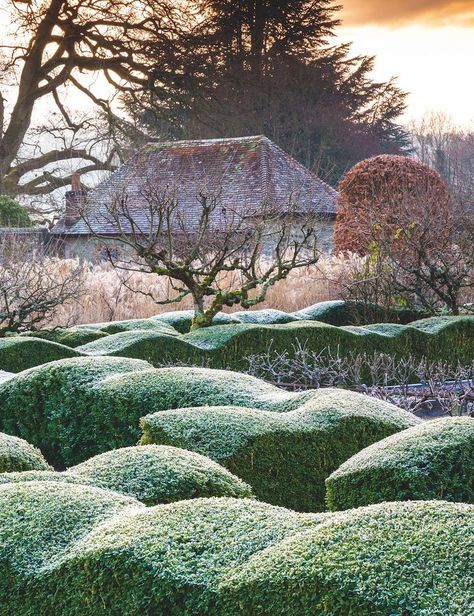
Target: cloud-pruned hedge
[
  {"x": 19, "y": 353},
  {"x": 77, "y": 408},
  {"x": 75, "y": 550},
  {"x": 450, "y": 340},
  {"x": 152, "y": 474},
  {"x": 68, "y": 336},
  {"x": 433, "y": 460},
  {"x": 285, "y": 457},
  {"x": 158, "y": 474},
  {"x": 17, "y": 454}
]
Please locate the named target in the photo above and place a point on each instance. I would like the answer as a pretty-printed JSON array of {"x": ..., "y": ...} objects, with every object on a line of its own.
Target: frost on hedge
[
  {"x": 433, "y": 460},
  {"x": 451, "y": 340},
  {"x": 156, "y": 474},
  {"x": 77, "y": 408},
  {"x": 228, "y": 556},
  {"x": 285, "y": 457},
  {"x": 19, "y": 353},
  {"x": 18, "y": 455}
]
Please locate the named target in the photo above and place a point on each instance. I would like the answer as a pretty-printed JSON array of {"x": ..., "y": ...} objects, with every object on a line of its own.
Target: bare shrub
[
  {"x": 33, "y": 287},
  {"x": 410, "y": 383}
]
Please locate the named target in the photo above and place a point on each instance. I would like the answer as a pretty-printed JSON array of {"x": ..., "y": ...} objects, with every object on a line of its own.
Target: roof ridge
[
  {"x": 195, "y": 142},
  {"x": 300, "y": 166}
]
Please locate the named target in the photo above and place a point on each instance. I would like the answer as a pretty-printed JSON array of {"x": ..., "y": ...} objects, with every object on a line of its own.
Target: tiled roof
[{"x": 244, "y": 172}]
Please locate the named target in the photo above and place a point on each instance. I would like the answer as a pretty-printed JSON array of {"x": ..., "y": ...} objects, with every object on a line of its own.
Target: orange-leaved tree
[{"x": 384, "y": 199}]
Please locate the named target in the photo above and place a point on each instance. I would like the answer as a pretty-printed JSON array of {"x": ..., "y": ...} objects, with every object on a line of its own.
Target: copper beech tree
[
  {"x": 382, "y": 196},
  {"x": 215, "y": 254},
  {"x": 418, "y": 245}
]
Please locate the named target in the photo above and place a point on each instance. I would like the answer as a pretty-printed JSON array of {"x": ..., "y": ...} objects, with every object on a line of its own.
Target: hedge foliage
[
  {"x": 18, "y": 455},
  {"x": 69, "y": 336},
  {"x": 433, "y": 460},
  {"x": 451, "y": 339},
  {"x": 59, "y": 407},
  {"x": 77, "y": 408},
  {"x": 285, "y": 457},
  {"x": 152, "y": 474},
  {"x": 320, "y": 328},
  {"x": 78, "y": 551},
  {"x": 155, "y": 474},
  {"x": 19, "y": 353}
]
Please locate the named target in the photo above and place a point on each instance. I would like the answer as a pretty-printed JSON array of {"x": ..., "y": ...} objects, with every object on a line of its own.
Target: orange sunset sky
[{"x": 428, "y": 44}]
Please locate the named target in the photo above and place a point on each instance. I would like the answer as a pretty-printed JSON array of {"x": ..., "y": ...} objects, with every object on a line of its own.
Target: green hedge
[
  {"x": 75, "y": 551},
  {"x": 401, "y": 559},
  {"x": 152, "y": 474},
  {"x": 68, "y": 336},
  {"x": 285, "y": 457},
  {"x": 155, "y": 474},
  {"x": 77, "y": 408},
  {"x": 59, "y": 408},
  {"x": 20, "y": 353},
  {"x": 434, "y": 460},
  {"x": 18, "y": 455},
  {"x": 228, "y": 346}
]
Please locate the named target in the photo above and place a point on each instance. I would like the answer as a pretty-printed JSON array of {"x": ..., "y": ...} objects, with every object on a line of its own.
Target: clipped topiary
[
  {"x": 18, "y": 455},
  {"x": 433, "y": 460},
  {"x": 228, "y": 556},
  {"x": 155, "y": 474},
  {"x": 68, "y": 336},
  {"x": 20, "y": 353},
  {"x": 77, "y": 408},
  {"x": 59, "y": 407},
  {"x": 385, "y": 559},
  {"x": 285, "y": 457},
  {"x": 39, "y": 522},
  {"x": 382, "y": 195},
  {"x": 230, "y": 345}
]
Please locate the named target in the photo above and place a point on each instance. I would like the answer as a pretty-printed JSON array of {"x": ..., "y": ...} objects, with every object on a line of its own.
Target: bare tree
[
  {"x": 449, "y": 149},
  {"x": 424, "y": 262},
  {"x": 68, "y": 43},
  {"x": 218, "y": 255},
  {"x": 32, "y": 288}
]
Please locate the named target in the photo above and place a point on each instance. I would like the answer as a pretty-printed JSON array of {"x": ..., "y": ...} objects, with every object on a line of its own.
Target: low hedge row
[
  {"x": 78, "y": 551},
  {"x": 152, "y": 474},
  {"x": 285, "y": 457},
  {"x": 17, "y": 454},
  {"x": 450, "y": 340},
  {"x": 77, "y": 408},
  {"x": 433, "y": 460},
  {"x": 20, "y": 353},
  {"x": 68, "y": 336}
]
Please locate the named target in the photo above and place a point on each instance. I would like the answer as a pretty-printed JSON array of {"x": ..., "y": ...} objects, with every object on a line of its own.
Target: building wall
[{"x": 91, "y": 248}]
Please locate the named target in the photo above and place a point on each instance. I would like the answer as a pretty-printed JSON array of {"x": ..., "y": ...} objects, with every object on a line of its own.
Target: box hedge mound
[
  {"x": 285, "y": 457},
  {"x": 69, "y": 336},
  {"x": 18, "y": 455},
  {"x": 433, "y": 460},
  {"x": 450, "y": 340},
  {"x": 19, "y": 353},
  {"x": 412, "y": 558},
  {"x": 231, "y": 556},
  {"x": 77, "y": 408},
  {"x": 156, "y": 474},
  {"x": 58, "y": 407},
  {"x": 38, "y": 522}
]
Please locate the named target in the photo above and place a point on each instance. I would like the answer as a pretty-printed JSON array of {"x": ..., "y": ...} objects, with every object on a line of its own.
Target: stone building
[{"x": 244, "y": 172}]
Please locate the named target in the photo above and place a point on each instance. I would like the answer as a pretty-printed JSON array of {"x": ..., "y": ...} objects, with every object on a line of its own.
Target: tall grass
[{"x": 105, "y": 297}]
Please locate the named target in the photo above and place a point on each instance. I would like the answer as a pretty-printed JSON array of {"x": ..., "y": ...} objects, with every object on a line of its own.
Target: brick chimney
[{"x": 75, "y": 200}]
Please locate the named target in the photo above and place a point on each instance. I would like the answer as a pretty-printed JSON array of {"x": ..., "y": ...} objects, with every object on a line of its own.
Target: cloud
[{"x": 403, "y": 12}]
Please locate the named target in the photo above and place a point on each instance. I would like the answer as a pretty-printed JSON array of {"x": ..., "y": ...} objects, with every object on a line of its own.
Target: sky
[{"x": 427, "y": 44}]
